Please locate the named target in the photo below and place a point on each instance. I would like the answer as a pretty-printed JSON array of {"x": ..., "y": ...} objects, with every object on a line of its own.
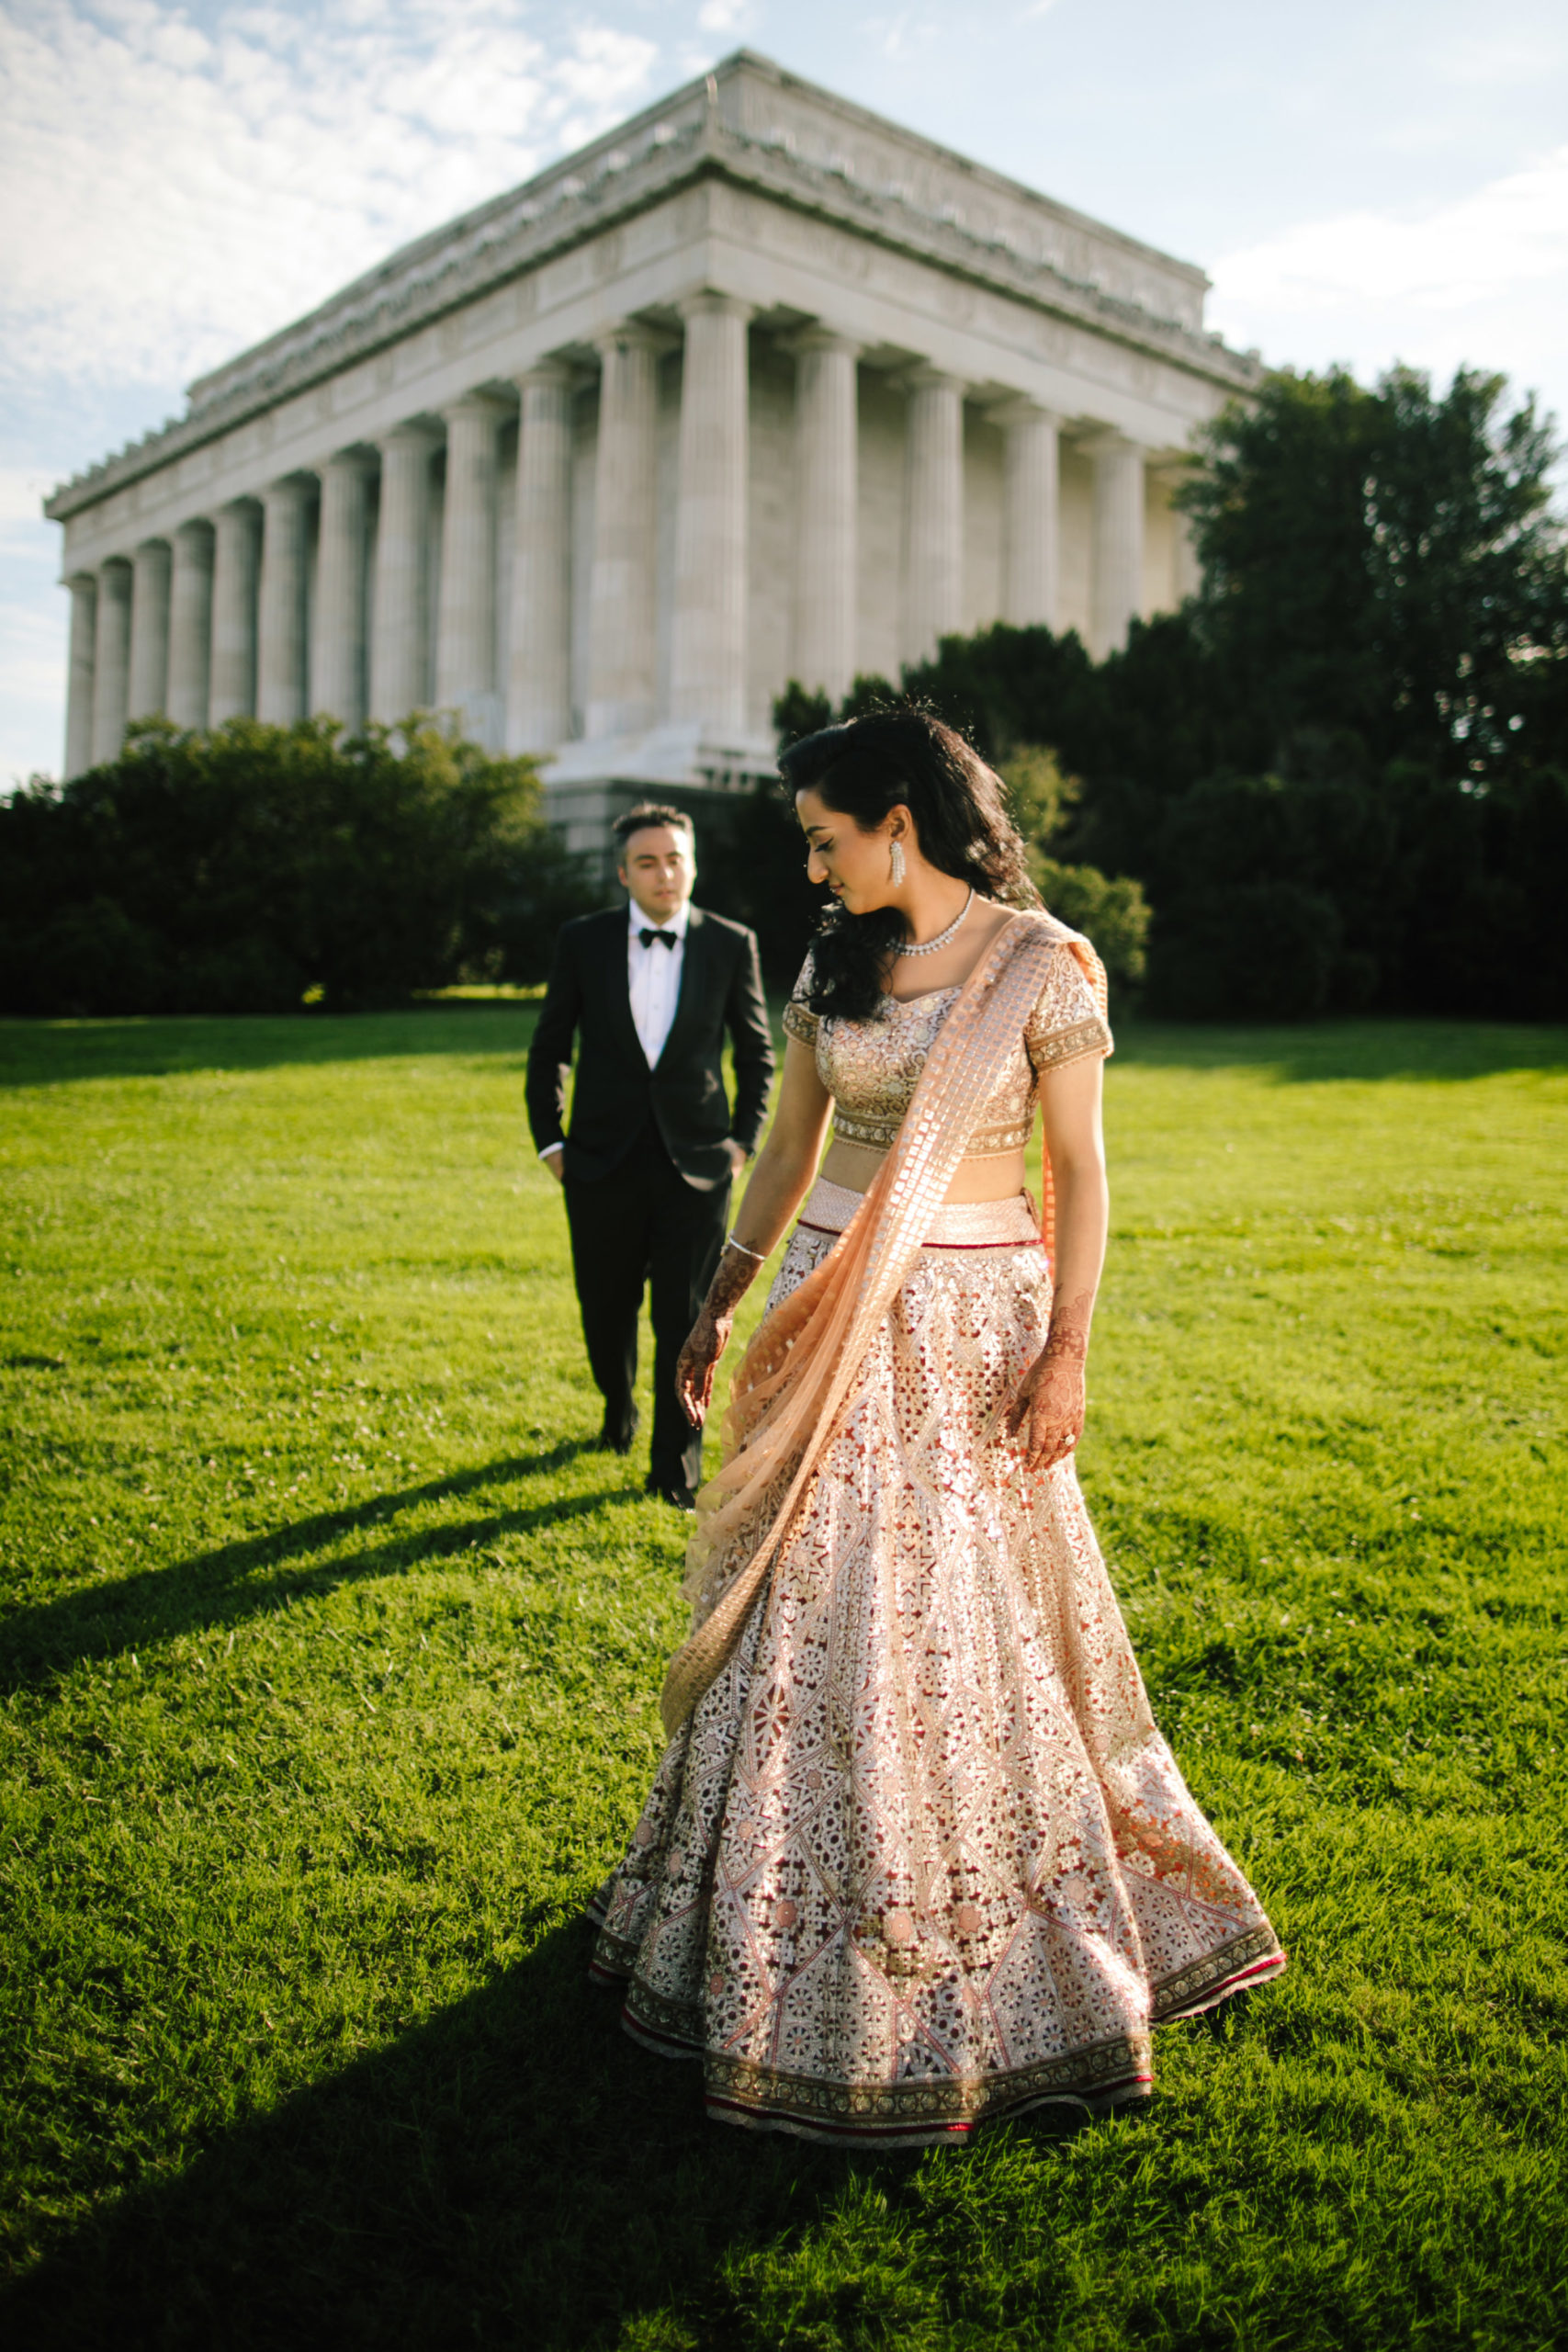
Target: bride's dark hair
[{"x": 863, "y": 769}]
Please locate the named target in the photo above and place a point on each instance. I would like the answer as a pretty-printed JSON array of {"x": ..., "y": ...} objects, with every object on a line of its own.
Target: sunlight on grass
[{"x": 330, "y": 1654}]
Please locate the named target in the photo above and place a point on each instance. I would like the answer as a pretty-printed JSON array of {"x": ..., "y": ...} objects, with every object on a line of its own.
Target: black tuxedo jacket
[{"x": 684, "y": 1095}]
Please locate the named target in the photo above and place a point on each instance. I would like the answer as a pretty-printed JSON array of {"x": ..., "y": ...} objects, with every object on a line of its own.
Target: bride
[{"x": 916, "y": 1854}]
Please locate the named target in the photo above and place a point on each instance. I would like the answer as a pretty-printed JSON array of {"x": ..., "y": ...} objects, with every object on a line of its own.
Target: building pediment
[
  {"x": 756, "y": 387},
  {"x": 781, "y": 140}
]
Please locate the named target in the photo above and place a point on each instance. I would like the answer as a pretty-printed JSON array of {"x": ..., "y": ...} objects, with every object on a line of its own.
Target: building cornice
[{"x": 685, "y": 139}]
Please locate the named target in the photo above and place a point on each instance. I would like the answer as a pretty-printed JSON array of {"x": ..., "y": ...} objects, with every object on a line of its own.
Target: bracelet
[{"x": 758, "y": 1257}]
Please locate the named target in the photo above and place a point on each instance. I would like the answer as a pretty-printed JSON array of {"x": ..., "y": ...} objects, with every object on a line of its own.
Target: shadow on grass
[
  {"x": 53, "y": 1053},
  {"x": 44, "y": 1053},
  {"x": 1368, "y": 1051},
  {"x": 226, "y": 1585},
  {"x": 514, "y": 2173}
]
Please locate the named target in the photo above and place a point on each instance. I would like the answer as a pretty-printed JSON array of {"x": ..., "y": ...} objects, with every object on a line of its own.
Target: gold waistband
[
  {"x": 1008, "y": 1224},
  {"x": 990, "y": 1143}
]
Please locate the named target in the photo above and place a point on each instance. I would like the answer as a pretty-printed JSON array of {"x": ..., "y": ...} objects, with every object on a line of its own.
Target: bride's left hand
[
  {"x": 705, "y": 1342},
  {"x": 1046, "y": 1417}
]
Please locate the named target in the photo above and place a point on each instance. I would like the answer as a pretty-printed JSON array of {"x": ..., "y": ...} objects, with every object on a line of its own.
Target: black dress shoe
[
  {"x": 681, "y": 1497},
  {"x": 609, "y": 1441}
]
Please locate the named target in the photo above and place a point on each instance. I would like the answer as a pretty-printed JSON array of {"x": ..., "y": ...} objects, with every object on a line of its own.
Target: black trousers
[{"x": 644, "y": 1224}]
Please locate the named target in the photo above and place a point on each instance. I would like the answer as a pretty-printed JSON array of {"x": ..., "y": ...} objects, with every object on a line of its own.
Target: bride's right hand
[{"x": 705, "y": 1342}]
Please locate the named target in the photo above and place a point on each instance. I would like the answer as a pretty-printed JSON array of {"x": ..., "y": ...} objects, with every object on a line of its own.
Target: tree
[
  {"x": 237, "y": 870},
  {"x": 1349, "y": 753},
  {"x": 1384, "y": 561}
]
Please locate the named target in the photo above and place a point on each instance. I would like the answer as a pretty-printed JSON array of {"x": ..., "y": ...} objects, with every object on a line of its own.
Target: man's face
[{"x": 658, "y": 868}]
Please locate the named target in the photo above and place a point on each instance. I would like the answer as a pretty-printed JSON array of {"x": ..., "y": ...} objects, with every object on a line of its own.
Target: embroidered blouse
[{"x": 870, "y": 1067}]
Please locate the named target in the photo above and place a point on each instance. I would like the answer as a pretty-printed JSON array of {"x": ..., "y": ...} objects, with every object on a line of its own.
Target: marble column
[
  {"x": 236, "y": 568},
  {"x": 83, "y": 587},
  {"x": 149, "y": 630},
  {"x": 280, "y": 622},
  {"x": 707, "y": 651},
  {"x": 826, "y": 510},
  {"x": 111, "y": 660},
  {"x": 1116, "y": 591},
  {"x": 464, "y": 634},
  {"x": 935, "y": 563},
  {"x": 337, "y": 622},
  {"x": 1032, "y": 453},
  {"x": 623, "y": 683},
  {"x": 538, "y": 697},
  {"x": 190, "y": 625},
  {"x": 400, "y": 641}
]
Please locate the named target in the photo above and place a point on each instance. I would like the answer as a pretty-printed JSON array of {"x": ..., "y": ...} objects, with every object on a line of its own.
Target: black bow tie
[{"x": 665, "y": 938}]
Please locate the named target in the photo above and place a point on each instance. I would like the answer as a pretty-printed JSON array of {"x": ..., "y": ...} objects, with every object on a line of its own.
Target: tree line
[
  {"x": 1336, "y": 780},
  {"x": 1339, "y": 775},
  {"x": 256, "y": 868}
]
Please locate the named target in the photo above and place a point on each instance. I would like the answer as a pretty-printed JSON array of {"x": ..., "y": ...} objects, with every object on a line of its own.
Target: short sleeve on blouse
[
  {"x": 1065, "y": 1024},
  {"x": 799, "y": 1020}
]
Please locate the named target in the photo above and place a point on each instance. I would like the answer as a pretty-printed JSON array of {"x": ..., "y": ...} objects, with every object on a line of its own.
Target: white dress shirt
[
  {"x": 653, "y": 982},
  {"x": 653, "y": 977}
]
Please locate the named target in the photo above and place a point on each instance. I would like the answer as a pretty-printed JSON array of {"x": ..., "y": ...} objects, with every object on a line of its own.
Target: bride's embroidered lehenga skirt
[{"x": 919, "y": 1855}]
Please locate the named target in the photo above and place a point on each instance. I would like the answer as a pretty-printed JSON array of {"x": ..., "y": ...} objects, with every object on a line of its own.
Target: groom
[{"x": 648, "y": 992}]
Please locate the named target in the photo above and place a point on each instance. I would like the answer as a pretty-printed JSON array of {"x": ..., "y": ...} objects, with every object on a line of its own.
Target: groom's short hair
[{"x": 647, "y": 813}]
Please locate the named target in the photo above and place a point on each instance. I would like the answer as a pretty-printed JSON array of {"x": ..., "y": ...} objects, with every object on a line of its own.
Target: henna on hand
[
  {"x": 705, "y": 1342},
  {"x": 1068, "y": 1335},
  {"x": 709, "y": 1335},
  {"x": 737, "y": 1270},
  {"x": 1047, "y": 1415}
]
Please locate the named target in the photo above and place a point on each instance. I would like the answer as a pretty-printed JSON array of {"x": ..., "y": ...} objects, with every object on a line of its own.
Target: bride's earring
[{"x": 898, "y": 864}]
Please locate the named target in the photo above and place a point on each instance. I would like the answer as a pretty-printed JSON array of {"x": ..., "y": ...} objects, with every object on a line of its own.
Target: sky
[{"x": 1367, "y": 181}]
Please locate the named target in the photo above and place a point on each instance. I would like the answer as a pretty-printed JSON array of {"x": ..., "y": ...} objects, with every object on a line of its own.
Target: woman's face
[{"x": 856, "y": 867}]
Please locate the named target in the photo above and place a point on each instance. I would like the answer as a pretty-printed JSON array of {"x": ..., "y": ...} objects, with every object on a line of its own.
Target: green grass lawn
[{"x": 329, "y": 1668}]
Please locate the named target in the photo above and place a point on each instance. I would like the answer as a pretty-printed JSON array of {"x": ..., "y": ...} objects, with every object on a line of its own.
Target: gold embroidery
[
  {"x": 936, "y": 1860},
  {"x": 925, "y": 2110},
  {"x": 881, "y": 1134},
  {"x": 1069, "y": 1044},
  {"x": 870, "y": 1067},
  {"x": 1254, "y": 1956}
]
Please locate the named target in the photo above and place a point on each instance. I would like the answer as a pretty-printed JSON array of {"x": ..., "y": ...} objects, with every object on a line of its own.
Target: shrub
[
  {"x": 1534, "y": 862},
  {"x": 231, "y": 872},
  {"x": 1259, "y": 951},
  {"x": 752, "y": 866},
  {"x": 1041, "y": 798},
  {"x": 1113, "y": 915}
]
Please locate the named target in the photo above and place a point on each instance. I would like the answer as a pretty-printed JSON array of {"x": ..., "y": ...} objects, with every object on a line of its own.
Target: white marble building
[{"x": 757, "y": 387}]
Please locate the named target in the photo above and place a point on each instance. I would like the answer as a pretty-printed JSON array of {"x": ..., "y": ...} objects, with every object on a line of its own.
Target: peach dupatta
[{"x": 800, "y": 1372}]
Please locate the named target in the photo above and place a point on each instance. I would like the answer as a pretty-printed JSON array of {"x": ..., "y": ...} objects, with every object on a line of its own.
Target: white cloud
[
  {"x": 21, "y": 489},
  {"x": 902, "y": 36},
  {"x": 32, "y": 629},
  {"x": 1481, "y": 281},
  {"x": 1501, "y": 61},
  {"x": 1511, "y": 232},
  {"x": 33, "y": 688},
  {"x": 182, "y": 191},
  {"x": 174, "y": 189},
  {"x": 723, "y": 16}
]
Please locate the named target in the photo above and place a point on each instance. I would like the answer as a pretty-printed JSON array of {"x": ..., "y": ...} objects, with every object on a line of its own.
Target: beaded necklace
[{"x": 930, "y": 947}]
